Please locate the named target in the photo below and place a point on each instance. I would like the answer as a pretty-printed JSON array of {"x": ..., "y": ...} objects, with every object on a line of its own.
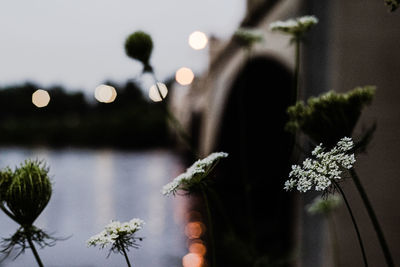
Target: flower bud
[
  {"x": 139, "y": 46},
  {"x": 25, "y": 192}
]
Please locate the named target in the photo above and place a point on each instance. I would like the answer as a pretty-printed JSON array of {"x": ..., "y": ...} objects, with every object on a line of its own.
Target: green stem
[
  {"x": 174, "y": 121},
  {"x": 210, "y": 227},
  {"x": 333, "y": 234},
  {"x": 354, "y": 223},
  {"x": 222, "y": 210},
  {"x": 374, "y": 219},
  {"x": 34, "y": 251},
  {"x": 296, "y": 70},
  {"x": 126, "y": 256}
]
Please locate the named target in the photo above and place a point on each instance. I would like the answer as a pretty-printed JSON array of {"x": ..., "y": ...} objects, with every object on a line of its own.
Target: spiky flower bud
[
  {"x": 329, "y": 117},
  {"x": 25, "y": 192},
  {"x": 139, "y": 46}
]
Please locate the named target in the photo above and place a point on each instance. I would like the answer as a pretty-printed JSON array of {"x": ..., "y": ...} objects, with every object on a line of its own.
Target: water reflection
[
  {"x": 91, "y": 187},
  {"x": 102, "y": 183}
]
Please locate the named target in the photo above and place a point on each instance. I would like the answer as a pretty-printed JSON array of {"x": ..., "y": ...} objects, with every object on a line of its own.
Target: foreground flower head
[
  {"x": 330, "y": 116},
  {"x": 117, "y": 234},
  {"x": 296, "y": 27},
  {"x": 325, "y": 168},
  {"x": 194, "y": 176},
  {"x": 325, "y": 205}
]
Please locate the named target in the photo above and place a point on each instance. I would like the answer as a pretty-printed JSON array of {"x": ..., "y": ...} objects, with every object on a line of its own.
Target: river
[{"x": 92, "y": 187}]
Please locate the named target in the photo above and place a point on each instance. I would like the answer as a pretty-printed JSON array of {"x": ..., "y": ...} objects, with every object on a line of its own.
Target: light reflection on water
[{"x": 91, "y": 187}]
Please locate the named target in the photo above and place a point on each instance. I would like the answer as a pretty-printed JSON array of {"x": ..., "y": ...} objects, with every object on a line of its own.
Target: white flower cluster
[
  {"x": 295, "y": 26},
  {"x": 321, "y": 171},
  {"x": 248, "y": 36},
  {"x": 194, "y": 174},
  {"x": 115, "y": 230}
]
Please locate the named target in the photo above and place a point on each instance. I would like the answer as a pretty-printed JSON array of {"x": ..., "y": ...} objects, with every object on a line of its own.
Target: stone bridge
[{"x": 239, "y": 105}]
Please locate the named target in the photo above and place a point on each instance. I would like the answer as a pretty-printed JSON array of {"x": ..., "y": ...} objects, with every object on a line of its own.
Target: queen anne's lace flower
[
  {"x": 247, "y": 36},
  {"x": 296, "y": 26},
  {"x": 326, "y": 166},
  {"x": 114, "y": 231},
  {"x": 194, "y": 175}
]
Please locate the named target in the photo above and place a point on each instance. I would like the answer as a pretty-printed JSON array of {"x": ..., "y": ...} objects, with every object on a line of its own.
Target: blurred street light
[
  {"x": 40, "y": 98},
  {"x": 184, "y": 76}
]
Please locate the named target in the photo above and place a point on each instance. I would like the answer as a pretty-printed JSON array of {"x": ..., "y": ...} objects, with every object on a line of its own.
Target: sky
[{"x": 80, "y": 43}]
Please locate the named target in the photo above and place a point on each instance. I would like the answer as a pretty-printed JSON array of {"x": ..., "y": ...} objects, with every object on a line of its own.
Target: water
[{"x": 92, "y": 187}]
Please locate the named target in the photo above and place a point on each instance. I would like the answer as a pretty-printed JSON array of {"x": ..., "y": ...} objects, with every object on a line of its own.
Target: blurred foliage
[
  {"x": 392, "y": 4},
  {"x": 139, "y": 46},
  {"x": 331, "y": 116},
  {"x": 69, "y": 119}
]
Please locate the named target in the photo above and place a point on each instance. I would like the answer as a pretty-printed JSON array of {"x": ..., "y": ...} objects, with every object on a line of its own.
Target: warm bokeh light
[
  {"x": 105, "y": 93},
  {"x": 194, "y": 230},
  {"x": 40, "y": 98},
  {"x": 197, "y": 247},
  {"x": 154, "y": 94},
  {"x": 198, "y": 40},
  {"x": 184, "y": 76},
  {"x": 192, "y": 260}
]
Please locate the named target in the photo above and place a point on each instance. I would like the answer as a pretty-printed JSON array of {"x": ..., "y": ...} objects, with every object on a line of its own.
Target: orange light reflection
[
  {"x": 194, "y": 230},
  {"x": 192, "y": 260}
]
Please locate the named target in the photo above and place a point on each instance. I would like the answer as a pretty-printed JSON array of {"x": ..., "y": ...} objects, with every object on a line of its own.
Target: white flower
[
  {"x": 194, "y": 174},
  {"x": 247, "y": 36},
  {"x": 115, "y": 230},
  {"x": 320, "y": 172},
  {"x": 296, "y": 26}
]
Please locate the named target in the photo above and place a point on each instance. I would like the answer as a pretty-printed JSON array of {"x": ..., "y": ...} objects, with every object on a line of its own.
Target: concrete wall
[{"x": 365, "y": 49}]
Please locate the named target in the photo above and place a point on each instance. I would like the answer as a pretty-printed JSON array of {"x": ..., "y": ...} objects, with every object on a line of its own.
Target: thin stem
[
  {"x": 354, "y": 223},
  {"x": 210, "y": 227},
  {"x": 333, "y": 234},
  {"x": 374, "y": 219},
  {"x": 177, "y": 125},
  {"x": 242, "y": 122},
  {"x": 126, "y": 257},
  {"x": 222, "y": 210},
  {"x": 34, "y": 251},
  {"x": 296, "y": 70}
]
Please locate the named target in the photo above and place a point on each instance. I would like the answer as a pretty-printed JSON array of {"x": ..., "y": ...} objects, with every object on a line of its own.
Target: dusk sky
[{"x": 79, "y": 44}]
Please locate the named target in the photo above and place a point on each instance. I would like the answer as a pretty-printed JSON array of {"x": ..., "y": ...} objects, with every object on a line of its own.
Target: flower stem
[
  {"x": 296, "y": 70},
  {"x": 126, "y": 256},
  {"x": 210, "y": 227},
  {"x": 334, "y": 242},
  {"x": 374, "y": 219},
  {"x": 354, "y": 224},
  {"x": 34, "y": 251},
  {"x": 174, "y": 121}
]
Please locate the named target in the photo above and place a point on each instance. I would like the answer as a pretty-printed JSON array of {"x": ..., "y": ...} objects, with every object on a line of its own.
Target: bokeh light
[
  {"x": 40, "y": 98},
  {"x": 197, "y": 247},
  {"x": 184, "y": 76},
  {"x": 194, "y": 230},
  {"x": 105, "y": 93},
  {"x": 192, "y": 260},
  {"x": 198, "y": 40},
  {"x": 154, "y": 94}
]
